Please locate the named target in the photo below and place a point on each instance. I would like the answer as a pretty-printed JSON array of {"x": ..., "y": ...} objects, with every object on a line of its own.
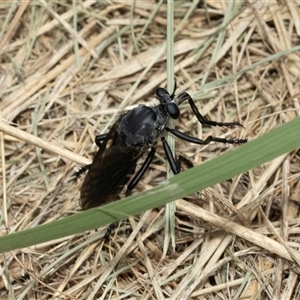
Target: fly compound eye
[
  {"x": 173, "y": 110},
  {"x": 161, "y": 94}
]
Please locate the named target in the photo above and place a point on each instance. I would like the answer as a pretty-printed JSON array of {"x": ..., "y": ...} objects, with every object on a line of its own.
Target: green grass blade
[{"x": 261, "y": 150}]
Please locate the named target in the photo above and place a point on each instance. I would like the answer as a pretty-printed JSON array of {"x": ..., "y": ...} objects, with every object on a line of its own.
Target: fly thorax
[{"x": 141, "y": 127}]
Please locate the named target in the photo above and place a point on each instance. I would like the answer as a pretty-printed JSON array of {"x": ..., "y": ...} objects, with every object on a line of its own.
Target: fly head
[{"x": 167, "y": 101}]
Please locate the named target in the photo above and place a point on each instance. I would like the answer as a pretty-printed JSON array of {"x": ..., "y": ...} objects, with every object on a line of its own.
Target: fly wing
[
  {"x": 109, "y": 172},
  {"x": 107, "y": 176}
]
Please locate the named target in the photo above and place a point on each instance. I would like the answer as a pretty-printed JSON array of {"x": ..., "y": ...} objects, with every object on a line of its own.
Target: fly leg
[
  {"x": 98, "y": 139},
  {"x": 209, "y": 139},
  {"x": 110, "y": 229},
  {"x": 185, "y": 96},
  {"x": 172, "y": 162},
  {"x": 131, "y": 186},
  {"x": 175, "y": 164},
  {"x": 141, "y": 171},
  {"x": 82, "y": 170},
  {"x": 182, "y": 160}
]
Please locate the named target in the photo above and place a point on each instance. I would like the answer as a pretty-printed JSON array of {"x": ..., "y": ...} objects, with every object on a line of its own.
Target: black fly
[{"x": 129, "y": 138}]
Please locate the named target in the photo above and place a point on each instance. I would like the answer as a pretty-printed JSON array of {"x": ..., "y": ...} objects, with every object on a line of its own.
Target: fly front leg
[{"x": 185, "y": 96}]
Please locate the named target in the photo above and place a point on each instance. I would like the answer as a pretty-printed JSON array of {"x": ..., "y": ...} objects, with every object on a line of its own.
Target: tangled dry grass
[{"x": 69, "y": 68}]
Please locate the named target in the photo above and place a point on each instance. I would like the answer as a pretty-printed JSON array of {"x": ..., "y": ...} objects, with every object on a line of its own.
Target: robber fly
[{"x": 135, "y": 132}]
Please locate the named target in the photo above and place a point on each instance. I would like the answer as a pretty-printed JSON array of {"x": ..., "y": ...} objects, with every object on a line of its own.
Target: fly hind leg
[
  {"x": 109, "y": 231},
  {"x": 182, "y": 160},
  {"x": 98, "y": 140},
  {"x": 137, "y": 177}
]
